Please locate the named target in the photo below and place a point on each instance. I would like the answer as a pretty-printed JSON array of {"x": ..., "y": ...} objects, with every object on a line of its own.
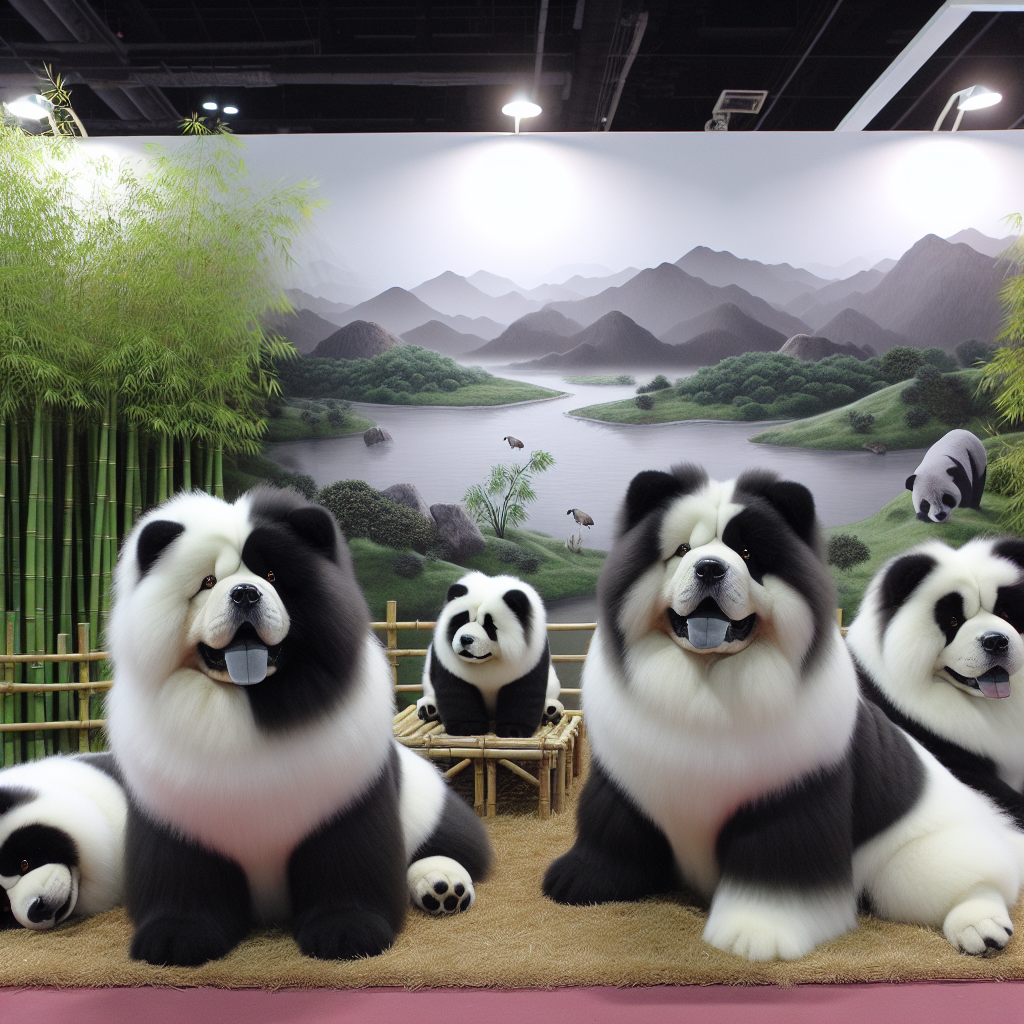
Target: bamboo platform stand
[{"x": 556, "y": 750}]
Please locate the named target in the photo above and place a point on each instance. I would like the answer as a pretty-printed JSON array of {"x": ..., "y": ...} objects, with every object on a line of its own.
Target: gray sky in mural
[{"x": 539, "y": 208}]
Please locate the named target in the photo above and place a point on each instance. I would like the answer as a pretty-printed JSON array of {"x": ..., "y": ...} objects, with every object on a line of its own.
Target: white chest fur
[
  {"x": 689, "y": 771},
  {"x": 194, "y": 759}
]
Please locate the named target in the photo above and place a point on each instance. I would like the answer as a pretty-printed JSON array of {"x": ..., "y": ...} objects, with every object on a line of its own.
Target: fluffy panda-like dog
[
  {"x": 251, "y": 716},
  {"x": 938, "y": 646},
  {"x": 62, "y": 825},
  {"x": 732, "y": 754},
  {"x": 490, "y": 660}
]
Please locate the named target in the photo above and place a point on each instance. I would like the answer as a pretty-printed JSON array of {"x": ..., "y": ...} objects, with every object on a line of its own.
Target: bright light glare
[
  {"x": 231, "y": 110},
  {"x": 209, "y": 105},
  {"x": 521, "y": 109},
  {"x": 978, "y": 97},
  {"x": 32, "y": 107}
]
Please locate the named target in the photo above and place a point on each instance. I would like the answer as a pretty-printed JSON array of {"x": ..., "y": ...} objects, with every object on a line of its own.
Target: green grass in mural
[
  {"x": 496, "y": 391},
  {"x": 601, "y": 378},
  {"x": 895, "y": 528},
  {"x": 290, "y": 426},
  {"x": 832, "y": 430},
  {"x": 668, "y": 407}
]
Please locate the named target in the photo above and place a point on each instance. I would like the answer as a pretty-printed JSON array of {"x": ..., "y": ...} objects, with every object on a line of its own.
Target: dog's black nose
[
  {"x": 940, "y": 516},
  {"x": 710, "y": 570},
  {"x": 245, "y": 594},
  {"x": 466, "y": 640},
  {"x": 995, "y": 643},
  {"x": 39, "y": 910}
]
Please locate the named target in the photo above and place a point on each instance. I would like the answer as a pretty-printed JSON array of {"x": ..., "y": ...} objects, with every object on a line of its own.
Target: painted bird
[
  {"x": 581, "y": 517},
  {"x": 513, "y": 442}
]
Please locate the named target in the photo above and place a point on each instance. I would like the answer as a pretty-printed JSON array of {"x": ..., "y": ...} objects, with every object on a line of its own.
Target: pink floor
[{"x": 927, "y": 1003}]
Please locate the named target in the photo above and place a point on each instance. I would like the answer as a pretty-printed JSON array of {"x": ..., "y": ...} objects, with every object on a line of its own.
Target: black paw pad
[
  {"x": 441, "y": 887},
  {"x": 993, "y": 944},
  {"x": 459, "y": 888},
  {"x": 430, "y": 903},
  {"x": 450, "y": 903},
  {"x": 465, "y": 903}
]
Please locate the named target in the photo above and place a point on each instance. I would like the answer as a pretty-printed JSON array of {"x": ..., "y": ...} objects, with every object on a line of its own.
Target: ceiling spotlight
[
  {"x": 520, "y": 109},
  {"x": 231, "y": 110},
  {"x": 974, "y": 98},
  {"x": 209, "y": 105},
  {"x": 735, "y": 101},
  {"x": 32, "y": 107}
]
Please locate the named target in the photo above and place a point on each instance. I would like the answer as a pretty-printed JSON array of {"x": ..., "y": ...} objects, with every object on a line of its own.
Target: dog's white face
[{"x": 43, "y": 897}]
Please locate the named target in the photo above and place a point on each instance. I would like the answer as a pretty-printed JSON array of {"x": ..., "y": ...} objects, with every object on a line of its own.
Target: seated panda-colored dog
[
  {"x": 938, "y": 647},
  {"x": 489, "y": 660},
  {"x": 251, "y": 717},
  {"x": 733, "y": 755},
  {"x": 61, "y": 839}
]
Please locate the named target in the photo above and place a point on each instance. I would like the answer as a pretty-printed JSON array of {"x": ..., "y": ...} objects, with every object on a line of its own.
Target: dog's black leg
[
  {"x": 188, "y": 904},
  {"x": 459, "y": 703},
  {"x": 347, "y": 879},
  {"x": 520, "y": 704},
  {"x": 620, "y": 854}
]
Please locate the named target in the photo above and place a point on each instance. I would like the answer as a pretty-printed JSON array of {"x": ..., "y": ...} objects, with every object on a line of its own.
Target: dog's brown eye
[
  {"x": 271, "y": 577},
  {"x": 954, "y": 623},
  {"x": 746, "y": 554},
  {"x": 209, "y": 583},
  {"x": 24, "y": 866},
  {"x": 681, "y": 550}
]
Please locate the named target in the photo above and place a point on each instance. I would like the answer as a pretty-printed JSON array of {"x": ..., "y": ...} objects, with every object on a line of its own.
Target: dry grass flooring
[{"x": 512, "y": 938}]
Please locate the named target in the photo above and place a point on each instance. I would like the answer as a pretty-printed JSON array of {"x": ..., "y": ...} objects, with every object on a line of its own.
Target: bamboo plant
[{"x": 131, "y": 358}]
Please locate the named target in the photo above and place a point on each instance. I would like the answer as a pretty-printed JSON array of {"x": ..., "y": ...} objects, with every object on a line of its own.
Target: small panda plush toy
[
  {"x": 938, "y": 646},
  {"x": 489, "y": 660},
  {"x": 62, "y": 822}
]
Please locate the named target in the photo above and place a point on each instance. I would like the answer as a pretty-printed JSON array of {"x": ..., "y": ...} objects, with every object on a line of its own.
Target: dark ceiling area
[{"x": 140, "y": 66}]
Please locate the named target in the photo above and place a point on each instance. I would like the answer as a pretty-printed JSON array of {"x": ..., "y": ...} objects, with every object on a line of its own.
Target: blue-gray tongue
[
  {"x": 995, "y": 683},
  {"x": 705, "y": 631},
  {"x": 246, "y": 662}
]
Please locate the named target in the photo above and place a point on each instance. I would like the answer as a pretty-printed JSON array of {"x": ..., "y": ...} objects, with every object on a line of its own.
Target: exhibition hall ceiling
[{"x": 139, "y": 66}]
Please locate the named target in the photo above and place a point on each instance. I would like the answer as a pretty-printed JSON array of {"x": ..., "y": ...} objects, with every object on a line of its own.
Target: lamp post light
[
  {"x": 974, "y": 98},
  {"x": 33, "y": 107},
  {"x": 520, "y": 109}
]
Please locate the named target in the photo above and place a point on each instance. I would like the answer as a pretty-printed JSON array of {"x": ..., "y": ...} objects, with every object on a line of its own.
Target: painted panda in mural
[
  {"x": 938, "y": 647},
  {"x": 733, "y": 754},
  {"x": 951, "y": 475},
  {"x": 62, "y": 823},
  {"x": 489, "y": 660},
  {"x": 251, "y": 717}
]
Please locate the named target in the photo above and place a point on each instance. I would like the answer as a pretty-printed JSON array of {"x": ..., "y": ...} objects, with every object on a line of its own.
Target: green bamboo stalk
[
  {"x": 186, "y": 464},
  {"x": 46, "y": 590},
  {"x": 127, "y": 517},
  {"x": 99, "y": 519},
  {"x": 208, "y": 479},
  {"x": 4, "y": 534},
  {"x": 67, "y": 566},
  {"x": 33, "y": 555},
  {"x": 12, "y": 702},
  {"x": 218, "y": 472},
  {"x": 134, "y": 462},
  {"x": 15, "y": 701},
  {"x": 163, "y": 492}
]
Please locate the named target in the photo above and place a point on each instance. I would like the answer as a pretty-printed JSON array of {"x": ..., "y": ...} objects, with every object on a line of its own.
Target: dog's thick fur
[
  {"x": 938, "y": 629},
  {"x": 489, "y": 660},
  {"x": 733, "y": 755},
  {"x": 62, "y": 825},
  {"x": 278, "y": 796}
]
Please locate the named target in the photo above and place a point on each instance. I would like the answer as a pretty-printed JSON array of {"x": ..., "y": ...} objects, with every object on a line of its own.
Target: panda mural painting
[
  {"x": 951, "y": 475},
  {"x": 938, "y": 647},
  {"x": 62, "y": 822},
  {"x": 732, "y": 751},
  {"x": 489, "y": 660},
  {"x": 251, "y": 717}
]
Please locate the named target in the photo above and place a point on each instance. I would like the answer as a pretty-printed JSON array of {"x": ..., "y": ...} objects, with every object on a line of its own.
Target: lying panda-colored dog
[
  {"x": 732, "y": 752},
  {"x": 252, "y": 718},
  {"x": 61, "y": 839},
  {"x": 490, "y": 660},
  {"x": 938, "y": 647}
]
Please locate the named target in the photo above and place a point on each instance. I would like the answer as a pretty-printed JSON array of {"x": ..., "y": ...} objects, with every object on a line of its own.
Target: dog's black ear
[
  {"x": 1011, "y": 548},
  {"x": 14, "y": 796},
  {"x": 315, "y": 526},
  {"x": 791, "y": 500},
  {"x": 901, "y": 579},
  {"x": 154, "y": 538},
  {"x": 647, "y": 490},
  {"x": 456, "y": 590},
  {"x": 910, "y": 481}
]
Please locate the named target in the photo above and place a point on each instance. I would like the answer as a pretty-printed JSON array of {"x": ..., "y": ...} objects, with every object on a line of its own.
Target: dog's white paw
[
  {"x": 979, "y": 924},
  {"x": 552, "y": 712},
  {"x": 757, "y": 935},
  {"x": 426, "y": 710},
  {"x": 440, "y": 885}
]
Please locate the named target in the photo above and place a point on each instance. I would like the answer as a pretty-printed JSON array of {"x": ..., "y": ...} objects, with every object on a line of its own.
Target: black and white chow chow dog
[
  {"x": 62, "y": 823},
  {"x": 252, "y": 718},
  {"x": 938, "y": 647},
  {"x": 733, "y": 755},
  {"x": 489, "y": 660}
]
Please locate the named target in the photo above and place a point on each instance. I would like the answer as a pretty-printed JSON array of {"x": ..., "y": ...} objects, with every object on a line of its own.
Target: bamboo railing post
[
  {"x": 63, "y": 745},
  {"x": 478, "y": 786},
  {"x": 392, "y": 644},
  {"x": 545, "y": 786},
  {"x": 492, "y": 787},
  {"x": 12, "y": 701},
  {"x": 84, "y": 693},
  {"x": 559, "y": 803}
]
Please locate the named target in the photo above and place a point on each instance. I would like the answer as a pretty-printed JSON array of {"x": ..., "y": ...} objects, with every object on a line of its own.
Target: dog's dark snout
[
  {"x": 245, "y": 595},
  {"x": 467, "y": 639},
  {"x": 995, "y": 643},
  {"x": 39, "y": 910},
  {"x": 940, "y": 515},
  {"x": 710, "y": 570}
]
